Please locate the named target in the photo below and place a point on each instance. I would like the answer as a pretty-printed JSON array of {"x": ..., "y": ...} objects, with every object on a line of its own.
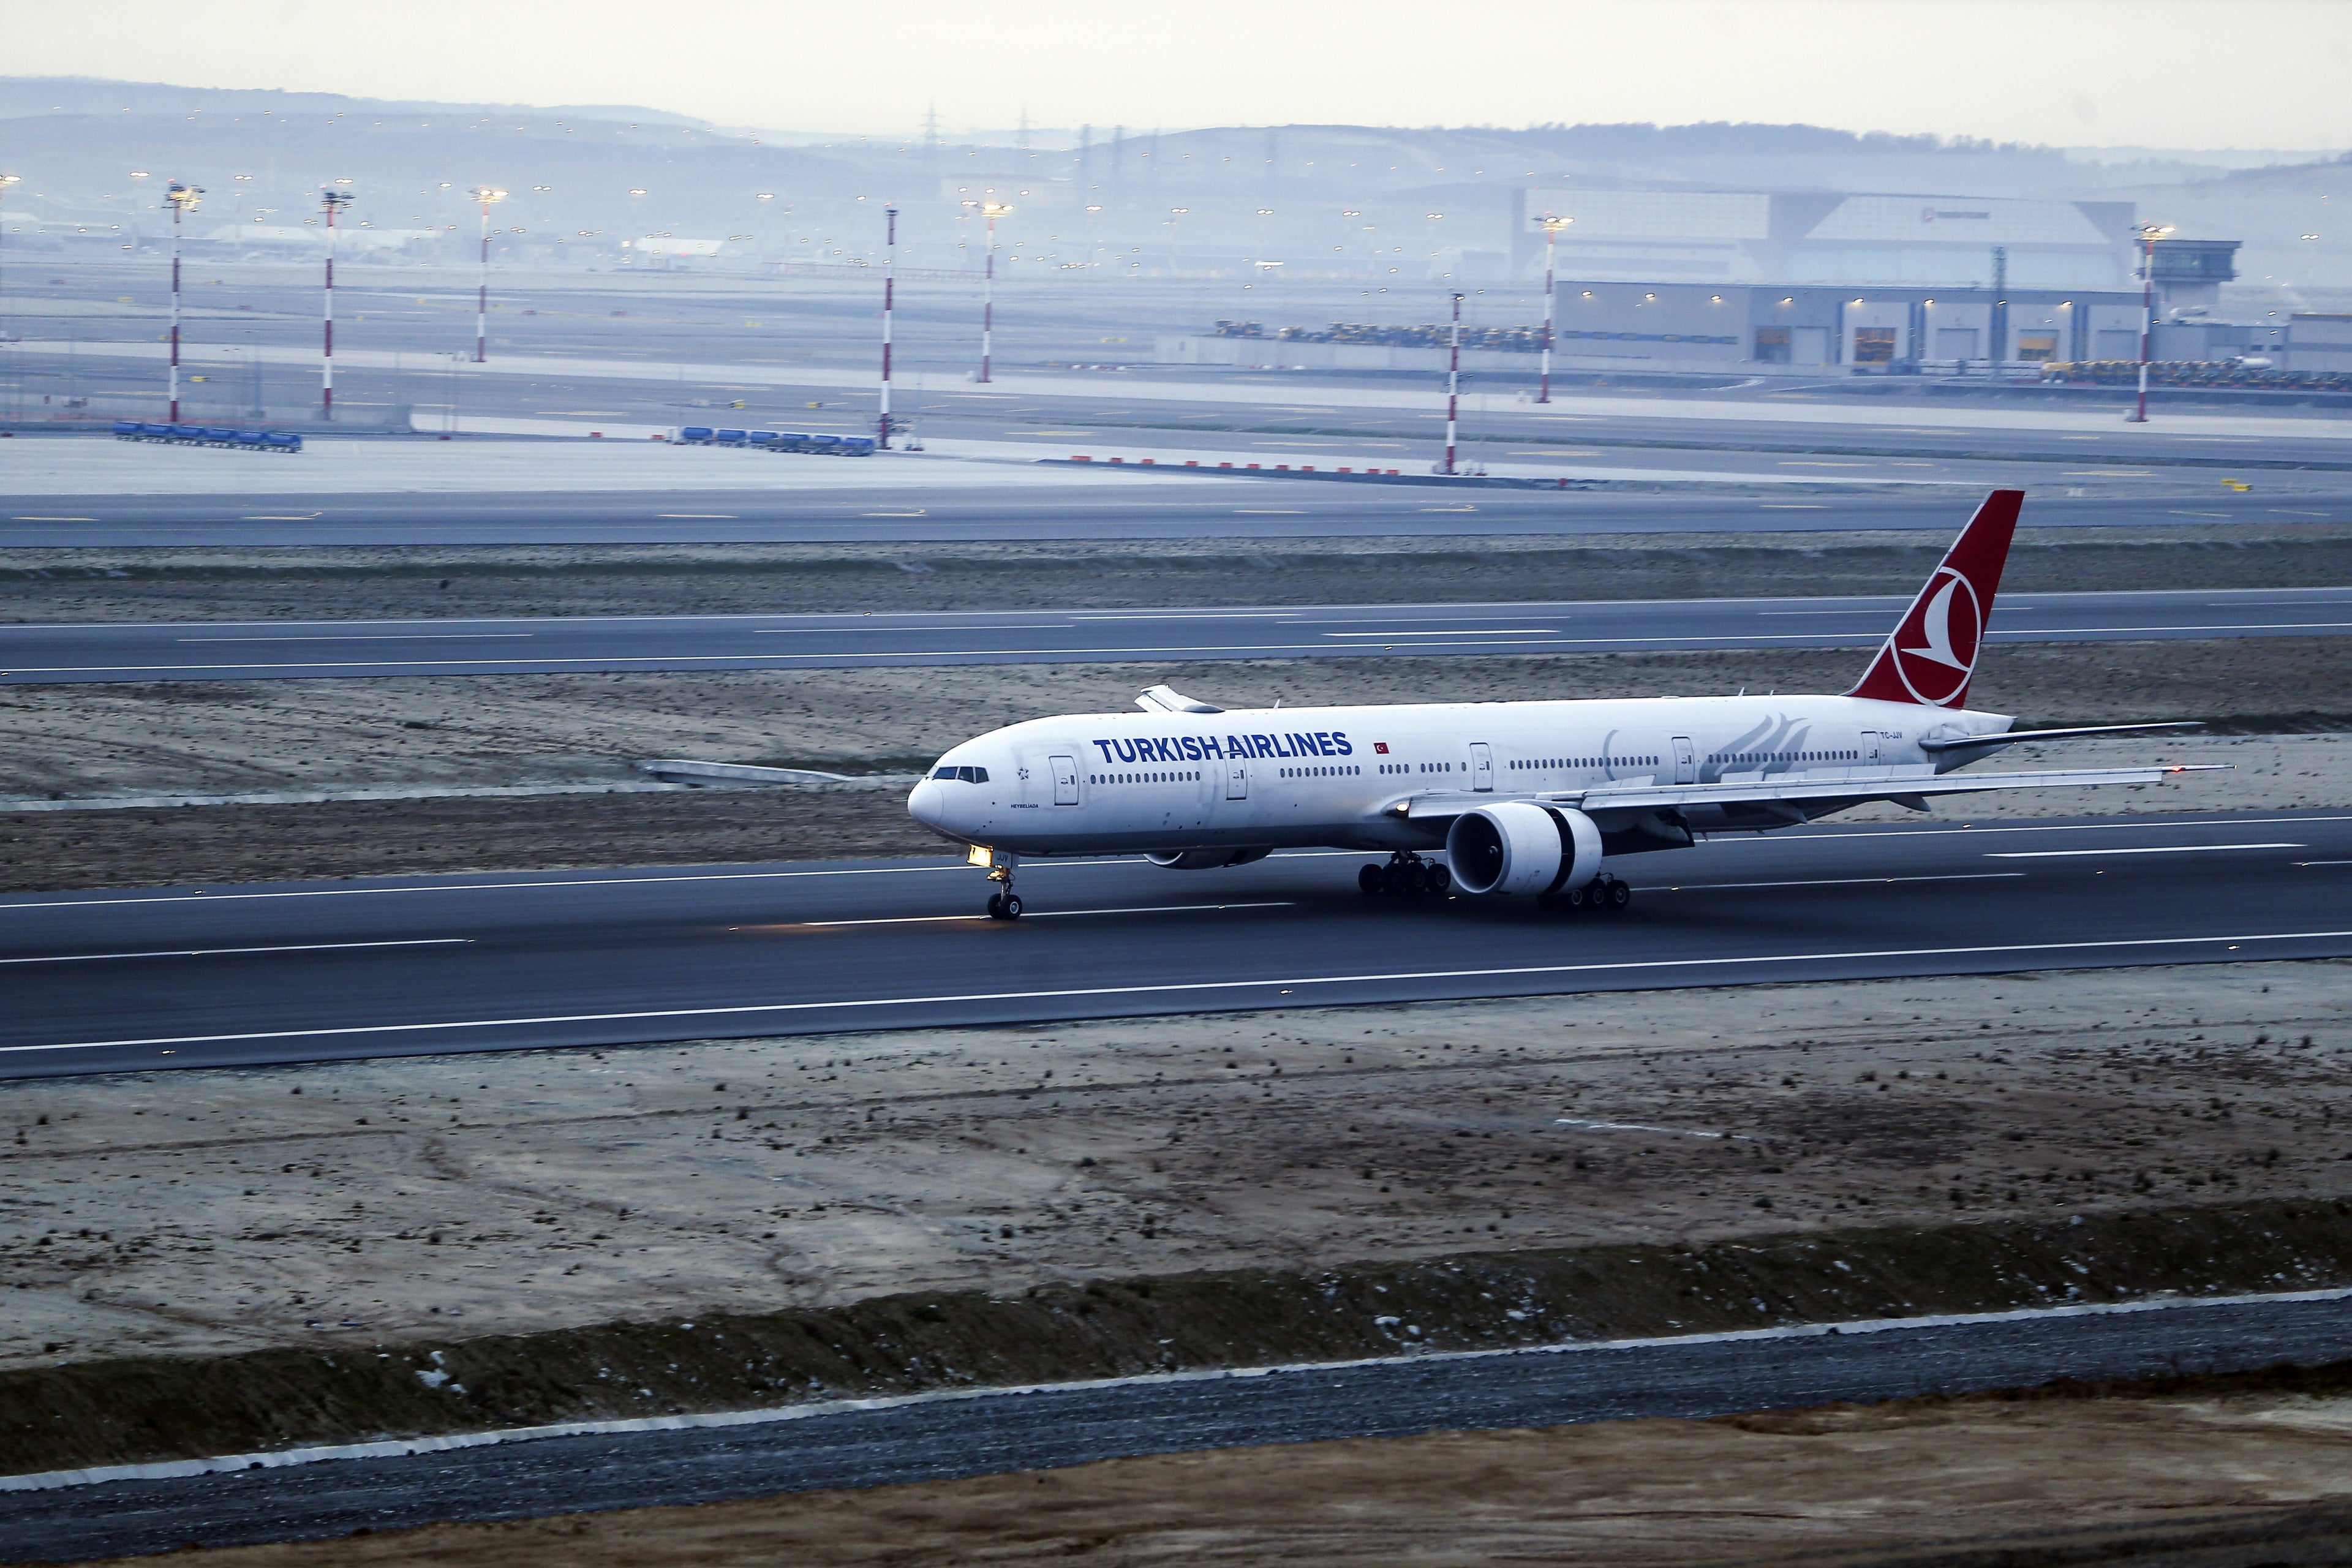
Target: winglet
[
  {"x": 1165, "y": 700},
  {"x": 1933, "y": 653}
]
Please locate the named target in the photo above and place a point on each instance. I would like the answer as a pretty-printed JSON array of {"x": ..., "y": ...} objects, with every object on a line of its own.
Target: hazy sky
[{"x": 2168, "y": 73}]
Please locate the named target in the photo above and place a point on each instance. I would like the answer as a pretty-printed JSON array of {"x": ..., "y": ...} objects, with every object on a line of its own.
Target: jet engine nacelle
[
  {"x": 1203, "y": 859},
  {"x": 1518, "y": 846}
]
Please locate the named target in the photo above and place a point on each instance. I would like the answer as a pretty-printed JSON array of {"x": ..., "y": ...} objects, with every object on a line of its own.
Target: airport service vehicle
[{"x": 1531, "y": 799}]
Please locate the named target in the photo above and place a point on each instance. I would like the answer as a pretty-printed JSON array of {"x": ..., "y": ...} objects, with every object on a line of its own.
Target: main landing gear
[
  {"x": 1602, "y": 895},
  {"x": 1405, "y": 874}
]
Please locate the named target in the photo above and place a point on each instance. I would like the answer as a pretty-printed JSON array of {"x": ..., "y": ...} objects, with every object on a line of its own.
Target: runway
[
  {"x": 183, "y": 651},
  {"x": 1136, "y": 507},
  {"x": 211, "y": 978},
  {"x": 994, "y": 1431}
]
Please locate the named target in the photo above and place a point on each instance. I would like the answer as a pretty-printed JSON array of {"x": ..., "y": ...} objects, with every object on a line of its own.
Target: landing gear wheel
[
  {"x": 1439, "y": 879},
  {"x": 1368, "y": 879},
  {"x": 1397, "y": 879},
  {"x": 997, "y": 906},
  {"x": 1010, "y": 909},
  {"x": 1618, "y": 895},
  {"x": 1577, "y": 900}
]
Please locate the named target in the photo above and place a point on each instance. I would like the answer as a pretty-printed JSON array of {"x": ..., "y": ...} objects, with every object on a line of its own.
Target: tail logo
[{"x": 1935, "y": 647}]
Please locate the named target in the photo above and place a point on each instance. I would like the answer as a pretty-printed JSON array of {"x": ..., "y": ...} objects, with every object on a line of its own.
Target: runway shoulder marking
[{"x": 2148, "y": 849}]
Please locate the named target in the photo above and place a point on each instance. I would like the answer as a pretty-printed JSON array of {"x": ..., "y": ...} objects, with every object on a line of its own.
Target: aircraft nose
[{"x": 926, "y": 806}]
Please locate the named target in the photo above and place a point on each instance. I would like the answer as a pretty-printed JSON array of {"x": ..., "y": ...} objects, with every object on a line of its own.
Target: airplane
[{"x": 1523, "y": 799}]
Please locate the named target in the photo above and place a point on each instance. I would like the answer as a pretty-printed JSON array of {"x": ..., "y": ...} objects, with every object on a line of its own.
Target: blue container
[
  {"x": 764, "y": 438},
  {"x": 854, "y": 447},
  {"x": 694, "y": 434},
  {"x": 127, "y": 429},
  {"x": 251, "y": 440},
  {"x": 155, "y": 432},
  {"x": 213, "y": 435},
  {"x": 185, "y": 431},
  {"x": 823, "y": 444},
  {"x": 728, "y": 437},
  {"x": 791, "y": 441},
  {"x": 280, "y": 441}
]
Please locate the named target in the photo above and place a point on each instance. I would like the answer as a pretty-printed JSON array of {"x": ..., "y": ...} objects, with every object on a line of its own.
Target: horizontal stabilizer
[
  {"x": 2010, "y": 737},
  {"x": 1904, "y": 784},
  {"x": 1166, "y": 699}
]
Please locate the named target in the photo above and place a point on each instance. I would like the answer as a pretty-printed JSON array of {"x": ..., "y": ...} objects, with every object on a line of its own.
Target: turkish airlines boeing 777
[{"x": 1526, "y": 798}]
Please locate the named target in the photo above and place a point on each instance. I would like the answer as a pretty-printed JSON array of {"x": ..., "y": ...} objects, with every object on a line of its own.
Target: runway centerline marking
[
  {"x": 2146, "y": 849},
  {"x": 234, "y": 951},
  {"x": 1463, "y": 632},
  {"x": 1188, "y": 987}
]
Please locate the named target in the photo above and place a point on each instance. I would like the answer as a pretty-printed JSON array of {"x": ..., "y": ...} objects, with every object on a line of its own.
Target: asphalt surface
[
  {"x": 994, "y": 1433},
  {"x": 255, "y": 650},
  {"x": 210, "y": 977},
  {"x": 1160, "y": 507}
]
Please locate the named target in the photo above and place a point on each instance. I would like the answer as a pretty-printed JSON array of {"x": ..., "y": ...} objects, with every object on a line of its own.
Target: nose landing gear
[
  {"x": 1405, "y": 874},
  {"x": 1003, "y": 904}
]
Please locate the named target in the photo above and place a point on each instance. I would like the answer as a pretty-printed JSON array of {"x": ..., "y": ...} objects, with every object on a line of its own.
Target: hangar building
[{"x": 1817, "y": 237}]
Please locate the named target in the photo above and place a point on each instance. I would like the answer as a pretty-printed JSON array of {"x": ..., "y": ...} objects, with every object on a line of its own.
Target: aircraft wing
[{"x": 1901, "y": 784}]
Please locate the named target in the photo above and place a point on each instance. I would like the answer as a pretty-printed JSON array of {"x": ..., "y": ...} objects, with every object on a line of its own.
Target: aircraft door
[
  {"x": 1870, "y": 748},
  {"x": 1482, "y": 765},
  {"x": 1236, "y": 778},
  {"x": 1686, "y": 761},
  {"x": 1065, "y": 781}
]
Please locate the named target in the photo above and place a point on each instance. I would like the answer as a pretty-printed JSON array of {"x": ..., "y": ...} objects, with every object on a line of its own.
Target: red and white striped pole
[
  {"x": 992, "y": 211},
  {"x": 180, "y": 198},
  {"x": 486, "y": 196},
  {"x": 329, "y": 201},
  {"x": 2149, "y": 234},
  {"x": 1454, "y": 384},
  {"x": 1551, "y": 228},
  {"x": 889, "y": 297}
]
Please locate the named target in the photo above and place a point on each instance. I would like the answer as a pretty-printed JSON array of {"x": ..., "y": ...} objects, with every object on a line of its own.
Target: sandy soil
[
  {"x": 312, "y": 581},
  {"x": 364, "y": 1202},
  {"x": 113, "y": 741},
  {"x": 217, "y": 737},
  {"x": 1913, "y": 1482}
]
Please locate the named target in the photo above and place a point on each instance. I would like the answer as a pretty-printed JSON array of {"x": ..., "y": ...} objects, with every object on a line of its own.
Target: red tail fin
[{"x": 1933, "y": 652}]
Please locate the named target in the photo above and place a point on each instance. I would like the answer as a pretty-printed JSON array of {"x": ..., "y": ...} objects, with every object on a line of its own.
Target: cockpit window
[
  {"x": 964, "y": 776},
  {"x": 944, "y": 773}
]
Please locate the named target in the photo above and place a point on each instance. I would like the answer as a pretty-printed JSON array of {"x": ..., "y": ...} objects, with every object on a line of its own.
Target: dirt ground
[
  {"x": 312, "y": 582},
  {"x": 366, "y": 1202},
  {"x": 113, "y": 741},
  {"x": 1968, "y": 1482}
]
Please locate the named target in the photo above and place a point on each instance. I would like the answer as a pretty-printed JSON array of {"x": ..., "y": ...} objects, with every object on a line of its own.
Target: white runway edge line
[
  {"x": 1035, "y": 915},
  {"x": 234, "y": 951},
  {"x": 1186, "y": 986},
  {"x": 2145, "y": 849},
  {"x": 397, "y": 1448}
]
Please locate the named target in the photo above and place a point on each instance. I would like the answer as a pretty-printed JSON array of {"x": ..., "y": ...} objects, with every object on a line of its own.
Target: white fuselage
[{"x": 1290, "y": 777}]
